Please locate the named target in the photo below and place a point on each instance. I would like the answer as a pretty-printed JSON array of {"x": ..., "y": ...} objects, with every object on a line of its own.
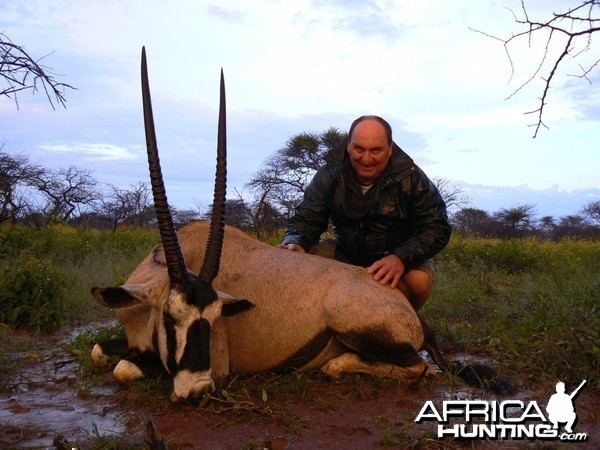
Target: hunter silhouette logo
[
  {"x": 507, "y": 419},
  {"x": 560, "y": 407}
]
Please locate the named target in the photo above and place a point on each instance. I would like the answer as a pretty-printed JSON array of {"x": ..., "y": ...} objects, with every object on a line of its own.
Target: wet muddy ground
[{"x": 48, "y": 400}]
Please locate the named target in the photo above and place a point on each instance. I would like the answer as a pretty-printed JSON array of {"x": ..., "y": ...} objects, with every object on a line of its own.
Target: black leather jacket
[{"x": 403, "y": 213}]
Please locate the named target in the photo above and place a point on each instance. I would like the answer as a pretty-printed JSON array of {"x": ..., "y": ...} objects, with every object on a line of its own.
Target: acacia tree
[
  {"x": 592, "y": 211},
  {"x": 572, "y": 225},
  {"x": 121, "y": 205},
  {"x": 471, "y": 221},
  {"x": 454, "y": 195},
  {"x": 284, "y": 176},
  {"x": 516, "y": 220},
  {"x": 237, "y": 214},
  {"x": 547, "y": 225},
  {"x": 65, "y": 191},
  {"x": 569, "y": 31},
  {"x": 259, "y": 217},
  {"x": 21, "y": 72},
  {"x": 15, "y": 172},
  {"x": 180, "y": 216},
  {"x": 139, "y": 199}
]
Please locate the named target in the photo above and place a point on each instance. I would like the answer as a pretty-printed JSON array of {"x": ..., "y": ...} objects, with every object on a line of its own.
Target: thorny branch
[
  {"x": 576, "y": 25},
  {"x": 21, "y": 72}
]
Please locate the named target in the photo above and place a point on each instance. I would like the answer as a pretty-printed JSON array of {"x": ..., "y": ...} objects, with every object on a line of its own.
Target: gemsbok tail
[{"x": 478, "y": 375}]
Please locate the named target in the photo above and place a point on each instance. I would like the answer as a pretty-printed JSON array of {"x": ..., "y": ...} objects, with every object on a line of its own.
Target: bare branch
[
  {"x": 21, "y": 72},
  {"x": 577, "y": 25}
]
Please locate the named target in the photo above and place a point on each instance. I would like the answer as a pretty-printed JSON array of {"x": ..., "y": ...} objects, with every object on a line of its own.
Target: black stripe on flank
[
  {"x": 305, "y": 354},
  {"x": 377, "y": 344},
  {"x": 196, "y": 355},
  {"x": 148, "y": 362},
  {"x": 155, "y": 344},
  {"x": 115, "y": 347}
]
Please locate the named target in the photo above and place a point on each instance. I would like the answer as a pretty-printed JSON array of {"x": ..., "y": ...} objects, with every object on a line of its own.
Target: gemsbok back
[{"x": 184, "y": 306}]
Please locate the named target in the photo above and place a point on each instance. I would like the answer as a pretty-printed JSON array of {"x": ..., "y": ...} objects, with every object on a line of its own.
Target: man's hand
[
  {"x": 292, "y": 247},
  {"x": 388, "y": 269}
]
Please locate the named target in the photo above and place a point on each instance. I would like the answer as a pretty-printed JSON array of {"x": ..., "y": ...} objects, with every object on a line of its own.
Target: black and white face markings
[{"x": 184, "y": 346}]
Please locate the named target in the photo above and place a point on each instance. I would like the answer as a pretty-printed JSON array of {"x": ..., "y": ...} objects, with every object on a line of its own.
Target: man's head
[{"x": 369, "y": 147}]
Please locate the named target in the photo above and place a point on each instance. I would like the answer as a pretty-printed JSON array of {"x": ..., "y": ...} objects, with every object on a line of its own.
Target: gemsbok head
[{"x": 183, "y": 312}]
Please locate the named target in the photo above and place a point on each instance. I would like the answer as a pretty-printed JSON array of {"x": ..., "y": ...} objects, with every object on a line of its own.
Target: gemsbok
[{"x": 210, "y": 300}]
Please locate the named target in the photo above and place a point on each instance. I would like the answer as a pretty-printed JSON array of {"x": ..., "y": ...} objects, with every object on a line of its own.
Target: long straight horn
[
  {"x": 175, "y": 263},
  {"x": 212, "y": 254}
]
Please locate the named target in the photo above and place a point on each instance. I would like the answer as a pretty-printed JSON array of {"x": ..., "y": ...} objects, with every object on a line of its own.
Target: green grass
[
  {"x": 48, "y": 273},
  {"x": 531, "y": 305}
]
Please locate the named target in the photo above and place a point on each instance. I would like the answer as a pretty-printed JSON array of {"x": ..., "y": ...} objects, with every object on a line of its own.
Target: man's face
[{"x": 369, "y": 150}]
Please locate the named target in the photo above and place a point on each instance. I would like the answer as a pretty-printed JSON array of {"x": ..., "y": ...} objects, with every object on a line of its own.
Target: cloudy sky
[{"x": 306, "y": 65}]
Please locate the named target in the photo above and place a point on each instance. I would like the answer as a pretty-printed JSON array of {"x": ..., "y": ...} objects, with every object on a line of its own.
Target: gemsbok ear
[
  {"x": 232, "y": 306},
  {"x": 128, "y": 295},
  {"x": 114, "y": 297}
]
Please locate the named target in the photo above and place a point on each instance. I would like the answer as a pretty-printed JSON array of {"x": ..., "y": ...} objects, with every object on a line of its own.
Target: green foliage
[
  {"x": 32, "y": 293},
  {"x": 508, "y": 255},
  {"x": 82, "y": 344},
  {"x": 65, "y": 244},
  {"x": 46, "y": 274},
  {"x": 533, "y": 305}
]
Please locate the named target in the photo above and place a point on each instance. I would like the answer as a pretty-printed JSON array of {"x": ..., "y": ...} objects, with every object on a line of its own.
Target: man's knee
[
  {"x": 418, "y": 282},
  {"x": 417, "y": 286}
]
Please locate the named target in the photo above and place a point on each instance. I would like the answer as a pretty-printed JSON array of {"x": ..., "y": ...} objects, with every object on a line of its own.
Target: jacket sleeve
[
  {"x": 431, "y": 230},
  {"x": 312, "y": 214}
]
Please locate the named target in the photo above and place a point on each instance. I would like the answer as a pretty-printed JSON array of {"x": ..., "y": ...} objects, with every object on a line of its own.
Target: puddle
[
  {"x": 43, "y": 400},
  {"x": 47, "y": 398}
]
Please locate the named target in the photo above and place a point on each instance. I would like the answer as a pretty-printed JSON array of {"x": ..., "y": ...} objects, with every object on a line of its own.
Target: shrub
[
  {"x": 532, "y": 304},
  {"x": 86, "y": 258},
  {"x": 511, "y": 256},
  {"x": 32, "y": 292}
]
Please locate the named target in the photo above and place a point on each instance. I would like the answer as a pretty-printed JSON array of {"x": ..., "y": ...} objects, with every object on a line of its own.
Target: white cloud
[
  {"x": 94, "y": 152},
  {"x": 226, "y": 14},
  {"x": 290, "y": 67}
]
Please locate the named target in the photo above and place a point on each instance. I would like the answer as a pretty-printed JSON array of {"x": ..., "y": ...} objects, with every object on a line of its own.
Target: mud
[{"x": 47, "y": 401}]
